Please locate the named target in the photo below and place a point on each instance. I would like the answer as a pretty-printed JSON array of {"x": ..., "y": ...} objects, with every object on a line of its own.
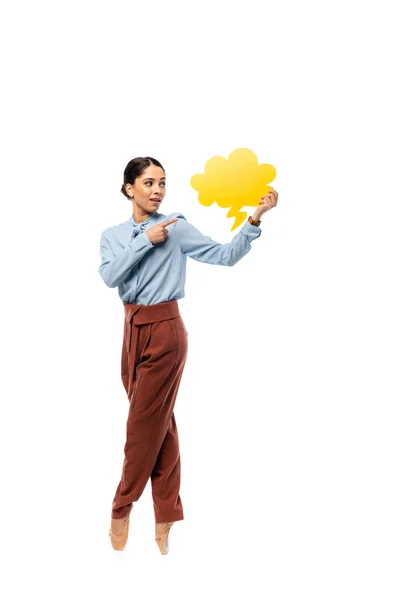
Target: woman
[{"x": 146, "y": 258}]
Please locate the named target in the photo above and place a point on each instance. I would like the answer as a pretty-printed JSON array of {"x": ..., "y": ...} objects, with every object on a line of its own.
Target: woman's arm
[
  {"x": 204, "y": 249},
  {"x": 115, "y": 268}
]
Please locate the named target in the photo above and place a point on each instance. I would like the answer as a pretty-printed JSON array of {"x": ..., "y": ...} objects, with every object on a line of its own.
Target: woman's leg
[
  {"x": 162, "y": 352},
  {"x": 166, "y": 478}
]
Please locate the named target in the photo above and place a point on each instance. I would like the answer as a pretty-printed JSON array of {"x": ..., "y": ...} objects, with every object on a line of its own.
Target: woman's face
[{"x": 148, "y": 190}]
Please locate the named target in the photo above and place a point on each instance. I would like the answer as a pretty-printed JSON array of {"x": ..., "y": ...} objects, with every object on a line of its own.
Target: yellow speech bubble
[{"x": 234, "y": 182}]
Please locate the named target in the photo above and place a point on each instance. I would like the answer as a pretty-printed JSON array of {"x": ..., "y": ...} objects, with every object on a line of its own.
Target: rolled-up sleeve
[
  {"x": 115, "y": 267},
  {"x": 204, "y": 249}
]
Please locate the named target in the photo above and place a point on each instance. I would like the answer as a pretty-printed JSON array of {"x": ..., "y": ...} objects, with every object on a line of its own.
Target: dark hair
[{"x": 135, "y": 168}]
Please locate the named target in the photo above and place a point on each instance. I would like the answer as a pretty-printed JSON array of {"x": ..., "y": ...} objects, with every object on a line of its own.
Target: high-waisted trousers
[{"x": 154, "y": 353}]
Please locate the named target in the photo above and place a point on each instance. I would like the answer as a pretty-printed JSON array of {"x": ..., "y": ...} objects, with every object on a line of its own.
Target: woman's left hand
[{"x": 268, "y": 202}]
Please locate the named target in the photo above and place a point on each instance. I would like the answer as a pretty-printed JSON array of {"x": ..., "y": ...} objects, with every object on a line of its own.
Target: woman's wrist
[{"x": 257, "y": 216}]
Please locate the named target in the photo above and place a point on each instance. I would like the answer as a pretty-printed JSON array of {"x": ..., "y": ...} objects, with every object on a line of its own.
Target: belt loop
[
  {"x": 128, "y": 323},
  {"x": 128, "y": 326}
]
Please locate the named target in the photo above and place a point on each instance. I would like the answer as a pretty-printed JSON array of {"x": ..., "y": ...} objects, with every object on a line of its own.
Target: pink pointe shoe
[
  {"x": 118, "y": 542},
  {"x": 162, "y": 532}
]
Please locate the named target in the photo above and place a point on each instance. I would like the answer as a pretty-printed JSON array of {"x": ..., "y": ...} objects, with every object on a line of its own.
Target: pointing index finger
[{"x": 165, "y": 223}]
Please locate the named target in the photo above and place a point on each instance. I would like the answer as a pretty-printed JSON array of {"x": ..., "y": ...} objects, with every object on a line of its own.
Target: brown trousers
[{"x": 154, "y": 353}]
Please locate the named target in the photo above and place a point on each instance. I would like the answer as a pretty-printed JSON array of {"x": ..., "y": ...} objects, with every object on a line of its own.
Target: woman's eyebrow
[{"x": 152, "y": 178}]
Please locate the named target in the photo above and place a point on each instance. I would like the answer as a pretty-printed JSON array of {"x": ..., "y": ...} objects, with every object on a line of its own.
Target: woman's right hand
[{"x": 159, "y": 232}]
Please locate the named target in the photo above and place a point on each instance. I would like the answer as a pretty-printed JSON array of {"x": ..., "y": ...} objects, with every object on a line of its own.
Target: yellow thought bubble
[{"x": 234, "y": 182}]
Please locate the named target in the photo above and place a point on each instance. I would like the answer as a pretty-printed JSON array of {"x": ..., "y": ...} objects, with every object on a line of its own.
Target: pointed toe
[
  {"x": 118, "y": 542},
  {"x": 162, "y": 536}
]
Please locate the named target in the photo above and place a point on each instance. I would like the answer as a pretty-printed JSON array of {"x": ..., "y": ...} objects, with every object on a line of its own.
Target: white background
[{"x": 288, "y": 408}]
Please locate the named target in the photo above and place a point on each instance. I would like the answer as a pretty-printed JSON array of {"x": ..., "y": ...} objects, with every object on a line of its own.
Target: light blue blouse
[{"x": 147, "y": 273}]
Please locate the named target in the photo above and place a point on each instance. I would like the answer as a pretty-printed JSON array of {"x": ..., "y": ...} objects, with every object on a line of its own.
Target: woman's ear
[{"x": 129, "y": 191}]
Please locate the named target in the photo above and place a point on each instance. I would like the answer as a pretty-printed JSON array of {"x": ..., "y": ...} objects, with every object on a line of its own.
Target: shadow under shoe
[
  {"x": 162, "y": 533},
  {"x": 118, "y": 542}
]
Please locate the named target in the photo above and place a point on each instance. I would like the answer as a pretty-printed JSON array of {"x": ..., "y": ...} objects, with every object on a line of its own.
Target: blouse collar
[{"x": 131, "y": 219}]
